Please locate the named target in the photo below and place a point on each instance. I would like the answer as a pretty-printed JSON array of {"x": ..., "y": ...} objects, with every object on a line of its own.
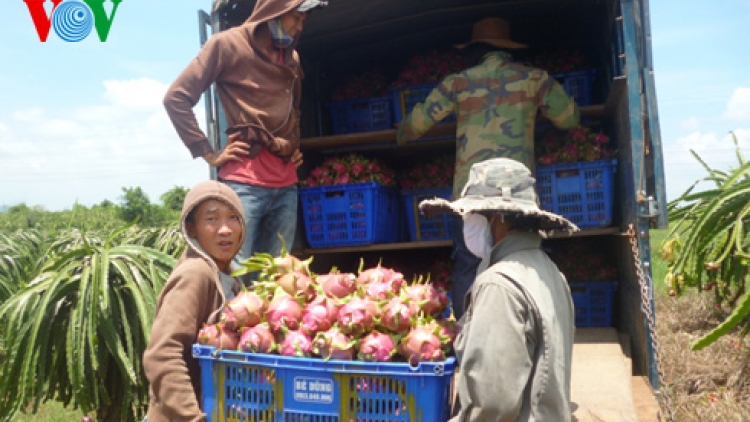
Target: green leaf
[{"x": 738, "y": 314}]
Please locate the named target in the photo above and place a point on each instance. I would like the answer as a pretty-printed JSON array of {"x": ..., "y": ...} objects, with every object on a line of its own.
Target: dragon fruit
[
  {"x": 337, "y": 285},
  {"x": 380, "y": 274},
  {"x": 271, "y": 267},
  {"x": 319, "y": 315},
  {"x": 257, "y": 339},
  {"x": 333, "y": 344},
  {"x": 447, "y": 331},
  {"x": 358, "y": 316},
  {"x": 380, "y": 290},
  {"x": 295, "y": 343},
  {"x": 283, "y": 311},
  {"x": 421, "y": 344},
  {"x": 244, "y": 310},
  {"x": 397, "y": 316},
  {"x": 297, "y": 284},
  {"x": 428, "y": 299},
  {"x": 376, "y": 347},
  {"x": 218, "y": 336}
]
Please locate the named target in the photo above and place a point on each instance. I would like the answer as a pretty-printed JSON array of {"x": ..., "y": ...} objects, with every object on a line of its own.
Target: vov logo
[{"x": 72, "y": 20}]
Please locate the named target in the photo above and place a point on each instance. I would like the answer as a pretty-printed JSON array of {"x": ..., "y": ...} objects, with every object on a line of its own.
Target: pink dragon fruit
[
  {"x": 297, "y": 284},
  {"x": 376, "y": 347},
  {"x": 218, "y": 336},
  {"x": 447, "y": 331},
  {"x": 358, "y": 316},
  {"x": 271, "y": 267},
  {"x": 283, "y": 311},
  {"x": 244, "y": 310},
  {"x": 380, "y": 290},
  {"x": 295, "y": 343},
  {"x": 428, "y": 298},
  {"x": 422, "y": 344},
  {"x": 257, "y": 339},
  {"x": 333, "y": 344},
  {"x": 380, "y": 274},
  {"x": 397, "y": 316},
  {"x": 337, "y": 285},
  {"x": 319, "y": 315}
]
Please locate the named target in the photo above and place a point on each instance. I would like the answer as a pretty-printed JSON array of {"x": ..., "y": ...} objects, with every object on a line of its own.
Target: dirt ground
[{"x": 712, "y": 384}]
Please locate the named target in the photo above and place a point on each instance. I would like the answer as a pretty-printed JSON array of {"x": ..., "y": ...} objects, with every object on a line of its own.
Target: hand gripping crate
[
  {"x": 361, "y": 115},
  {"x": 422, "y": 227},
  {"x": 581, "y": 192},
  {"x": 239, "y": 386},
  {"x": 593, "y": 302},
  {"x": 407, "y": 96},
  {"x": 354, "y": 214}
]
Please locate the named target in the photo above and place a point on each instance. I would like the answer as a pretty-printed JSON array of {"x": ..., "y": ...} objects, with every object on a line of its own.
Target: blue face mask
[{"x": 280, "y": 37}]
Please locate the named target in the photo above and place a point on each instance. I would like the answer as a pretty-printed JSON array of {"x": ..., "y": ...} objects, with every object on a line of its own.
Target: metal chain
[{"x": 665, "y": 401}]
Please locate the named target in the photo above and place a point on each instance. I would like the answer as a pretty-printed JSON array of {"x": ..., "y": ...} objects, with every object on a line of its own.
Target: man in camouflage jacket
[{"x": 496, "y": 103}]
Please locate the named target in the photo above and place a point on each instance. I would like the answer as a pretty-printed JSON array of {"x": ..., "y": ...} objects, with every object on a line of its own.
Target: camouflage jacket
[{"x": 496, "y": 105}]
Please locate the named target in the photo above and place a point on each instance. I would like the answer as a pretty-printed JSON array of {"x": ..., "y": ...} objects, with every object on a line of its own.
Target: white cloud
[
  {"x": 87, "y": 154},
  {"x": 692, "y": 124},
  {"x": 143, "y": 93},
  {"x": 739, "y": 105},
  {"x": 716, "y": 150},
  {"x": 30, "y": 115}
]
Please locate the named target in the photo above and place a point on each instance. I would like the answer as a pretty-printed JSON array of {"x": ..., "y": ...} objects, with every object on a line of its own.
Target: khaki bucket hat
[
  {"x": 493, "y": 31},
  {"x": 500, "y": 185}
]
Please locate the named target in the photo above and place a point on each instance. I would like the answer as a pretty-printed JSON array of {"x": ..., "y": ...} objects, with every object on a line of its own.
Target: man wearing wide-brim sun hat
[
  {"x": 516, "y": 341},
  {"x": 496, "y": 101}
]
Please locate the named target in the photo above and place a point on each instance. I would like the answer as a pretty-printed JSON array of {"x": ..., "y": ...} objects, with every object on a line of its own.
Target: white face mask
[{"x": 478, "y": 238}]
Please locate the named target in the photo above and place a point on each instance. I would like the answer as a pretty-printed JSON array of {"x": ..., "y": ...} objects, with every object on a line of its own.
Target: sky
[{"x": 79, "y": 121}]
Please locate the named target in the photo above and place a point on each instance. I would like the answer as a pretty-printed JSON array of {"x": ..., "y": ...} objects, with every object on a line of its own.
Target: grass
[
  {"x": 712, "y": 384},
  {"x": 51, "y": 412}
]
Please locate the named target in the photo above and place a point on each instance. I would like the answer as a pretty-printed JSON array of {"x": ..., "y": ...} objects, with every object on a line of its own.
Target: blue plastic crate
[
  {"x": 407, "y": 96},
  {"x": 422, "y": 227},
  {"x": 593, "y": 302},
  {"x": 361, "y": 115},
  {"x": 241, "y": 386},
  {"x": 581, "y": 192},
  {"x": 578, "y": 84},
  {"x": 354, "y": 214}
]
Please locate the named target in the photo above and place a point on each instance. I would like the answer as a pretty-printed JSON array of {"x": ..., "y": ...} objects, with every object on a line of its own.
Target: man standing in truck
[
  {"x": 258, "y": 75},
  {"x": 496, "y": 102}
]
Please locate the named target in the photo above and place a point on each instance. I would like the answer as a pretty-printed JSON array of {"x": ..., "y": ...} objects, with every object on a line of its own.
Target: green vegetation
[
  {"x": 106, "y": 216},
  {"x": 51, "y": 411},
  {"x": 708, "y": 247},
  {"x": 658, "y": 265},
  {"x": 77, "y": 295}
]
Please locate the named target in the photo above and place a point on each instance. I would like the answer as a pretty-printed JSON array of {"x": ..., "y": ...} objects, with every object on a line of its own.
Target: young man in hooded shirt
[
  {"x": 257, "y": 74},
  {"x": 198, "y": 286}
]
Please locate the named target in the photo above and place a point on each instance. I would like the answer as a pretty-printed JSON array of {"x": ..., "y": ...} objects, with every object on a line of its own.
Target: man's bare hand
[
  {"x": 235, "y": 150},
  {"x": 297, "y": 158}
]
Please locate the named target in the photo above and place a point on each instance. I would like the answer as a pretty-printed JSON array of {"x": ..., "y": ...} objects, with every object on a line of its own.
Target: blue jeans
[
  {"x": 269, "y": 212},
  {"x": 465, "y": 266}
]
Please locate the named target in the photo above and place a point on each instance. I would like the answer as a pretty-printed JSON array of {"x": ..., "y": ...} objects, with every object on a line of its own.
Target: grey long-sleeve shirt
[{"x": 516, "y": 343}]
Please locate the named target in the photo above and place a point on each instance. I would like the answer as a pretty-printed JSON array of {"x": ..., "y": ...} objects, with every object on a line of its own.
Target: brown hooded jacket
[
  {"x": 254, "y": 90},
  {"x": 192, "y": 296}
]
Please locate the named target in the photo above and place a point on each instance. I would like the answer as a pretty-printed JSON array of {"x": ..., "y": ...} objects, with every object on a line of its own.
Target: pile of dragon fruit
[{"x": 374, "y": 315}]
